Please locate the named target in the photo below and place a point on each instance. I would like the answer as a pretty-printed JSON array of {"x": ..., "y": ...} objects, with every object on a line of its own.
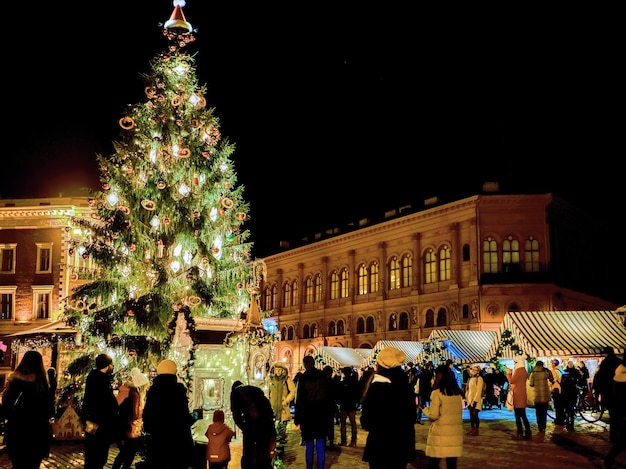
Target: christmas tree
[{"x": 167, "y": 234}]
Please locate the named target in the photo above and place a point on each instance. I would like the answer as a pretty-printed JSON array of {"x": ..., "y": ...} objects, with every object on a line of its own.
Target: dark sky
[{"x": 338, "y": 110}]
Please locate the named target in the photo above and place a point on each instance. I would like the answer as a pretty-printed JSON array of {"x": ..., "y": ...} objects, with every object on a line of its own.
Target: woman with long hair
[
  {"x": 28, "y": 406},
  {"x": 445, "y": 435}
]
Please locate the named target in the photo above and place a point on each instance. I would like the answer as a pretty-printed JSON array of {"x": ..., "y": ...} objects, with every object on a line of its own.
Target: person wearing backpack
[{"x": 130, "y": 398}]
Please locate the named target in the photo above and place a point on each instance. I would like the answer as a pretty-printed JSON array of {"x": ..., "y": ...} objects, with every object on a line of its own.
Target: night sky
[{"x": 338, "y": 110}]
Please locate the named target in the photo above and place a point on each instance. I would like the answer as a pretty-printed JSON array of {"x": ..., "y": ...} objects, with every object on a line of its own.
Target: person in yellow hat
[{"x": 388, "y": 413}]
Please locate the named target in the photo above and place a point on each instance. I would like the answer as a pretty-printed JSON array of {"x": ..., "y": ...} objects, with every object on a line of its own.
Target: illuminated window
[
  {"x": 407, "y": 270},
  {"x": 362, "y": 280},
  {"x": 430, "y": 267},
  {"x": 44, "y": 258},
  {"x": 7, "y": 302},
  {"x": 286, "y": 295},
  {"x": 374, "y": 277},
  {"x": 334, "y": 285},
  {"x": 318, "y": 288},
  {"x": 510, "y": 254},
  {"x": 490, "y": 255},
  {"x": 344, "y": 285},
  {"x": 7, "y": 258},
  {"x": 445, "y": 272},
  {"x": 308, "y": 290},
  {"x": 294, "y": 293},
  {"x": 267, "y": 298},
  {"x": 531, "y": 255},
  {"x": 273, "y": 296},
  {"x": 394, "y": 273},
  {"x": 42, "y": 302}
]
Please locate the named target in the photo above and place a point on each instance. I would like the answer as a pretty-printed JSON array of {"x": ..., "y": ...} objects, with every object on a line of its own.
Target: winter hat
[
  {"x": 218, "y": 416},
  {"x": 390, "y": 357},
  {"x": 103, "y": 360},
  {"x": 167, "y": 367},
  {"x": 138, "y": 378}
]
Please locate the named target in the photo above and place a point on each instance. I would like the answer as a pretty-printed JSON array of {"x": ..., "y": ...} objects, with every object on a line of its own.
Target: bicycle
[{"x": 590, "y": 406}]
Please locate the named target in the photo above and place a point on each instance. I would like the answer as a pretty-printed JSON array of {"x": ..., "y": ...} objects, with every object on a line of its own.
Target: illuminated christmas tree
[{"x": 167, "y": 235}]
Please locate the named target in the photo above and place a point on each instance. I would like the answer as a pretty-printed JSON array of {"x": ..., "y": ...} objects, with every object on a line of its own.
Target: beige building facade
[{"x": 459, "y": 265}]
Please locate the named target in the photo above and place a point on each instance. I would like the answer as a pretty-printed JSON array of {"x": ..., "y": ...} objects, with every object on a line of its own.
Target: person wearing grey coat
[{"x": 539, "y": 380}]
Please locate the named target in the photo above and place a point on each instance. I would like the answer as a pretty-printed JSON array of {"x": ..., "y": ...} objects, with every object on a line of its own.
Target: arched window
[
  {"x": 308, "y": 290},
  {"x": 341, "y": 327},
  {"x": 344, "y": 285},
  {"x": 370, "y": 324},
  {"x": 445, "y": 272},
  {"x": 407, "y": 270},
  {"x": 404, "y": 321},
  {"x": 332, "y": 328},
  {"x": 360, "y": 326},
  {"x": 334, "y": 285},
  {"x": 286, "y": 294},
  {"x": 394, "y": 273},
  {"x": 306, "y": 332},
  {"x": 294, "y": 293},
  {"x": 283, "y": 333},
  {"x": 274, "y": 295},
  {"x": 490, "y": 255},
  {"x": 430, "y": 318},
  {"x": 290, "y": 333},
  {"x": 442, "y": 318},
  {"x": 318, "y": 288},
  {"x": 510, "y": 254},
  {"x": 514, "y": 307},
  {"x": 362, "y": 280},
  {"x": 531, "y": 255},
  {"x": 315, "y": 332},
  {"x": 374, "y": 272},
  {"x": 465, "y": 311},
  {"x": 430, "y": 266}
]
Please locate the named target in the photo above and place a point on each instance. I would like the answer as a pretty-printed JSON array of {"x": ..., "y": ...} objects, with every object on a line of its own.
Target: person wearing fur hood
[
  {"x": 281, "y": 392},
  {"x": 618, "y": 414}
]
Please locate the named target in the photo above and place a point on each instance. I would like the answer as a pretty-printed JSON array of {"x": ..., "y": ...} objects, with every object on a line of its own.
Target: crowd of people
[{"x": 320, "y": 398}]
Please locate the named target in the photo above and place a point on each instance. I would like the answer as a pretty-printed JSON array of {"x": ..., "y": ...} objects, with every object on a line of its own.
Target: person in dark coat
[
  {"x": 312, "y": 410},
  {"x": 424, "y": 388},
  {"x": 99, "y": 413},
  {"x": 348, "y": 398},
  {"x": 618, "y": 414},
  {"x": 603, "y": 383},
  {"x": 388, "y": 414},
  {"x": 253, "y": 414},
  {"x": 167, "y": 421},
  {"x": 28, "y": 406}
]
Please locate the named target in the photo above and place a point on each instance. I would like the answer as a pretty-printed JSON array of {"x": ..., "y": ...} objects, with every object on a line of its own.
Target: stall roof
[
  {"x": 51, "y": 328},
  {"x": 343, "y": 356},
  {"x": 466, "y": 346},
  {"x": 562, "y": 333},
  {"x": 410, "y": 348}
]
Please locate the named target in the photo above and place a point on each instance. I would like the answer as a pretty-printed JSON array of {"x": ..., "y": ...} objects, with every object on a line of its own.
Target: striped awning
[
  {"x": 338, "y": 357},
  {"x": 410, "y": 348},
  {"x": 466, "y": 346},
  {"x": 562, "y": 333}
]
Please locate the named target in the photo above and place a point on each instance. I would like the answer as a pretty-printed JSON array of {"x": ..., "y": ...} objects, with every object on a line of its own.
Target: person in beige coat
[
  {"x": 445, "y": 435},
  {"x": 474, "y": 398},
  {"x": 281, "y": 392},
  {"x": 540, "y": 381}
]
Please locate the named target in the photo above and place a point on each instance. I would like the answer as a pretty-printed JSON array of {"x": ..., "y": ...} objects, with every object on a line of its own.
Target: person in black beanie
[{"x": 99, "y": 413}]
